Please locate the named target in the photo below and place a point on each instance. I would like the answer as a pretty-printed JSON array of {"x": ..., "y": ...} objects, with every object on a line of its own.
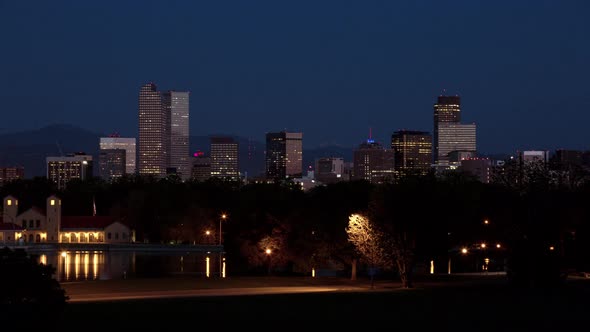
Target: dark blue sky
[{"x": 330, "y": 69}]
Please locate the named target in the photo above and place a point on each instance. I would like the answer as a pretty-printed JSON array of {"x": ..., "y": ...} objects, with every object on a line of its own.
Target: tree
[
  {"x": 367, "y": 241},
  {"x": 29, "y": 287}
]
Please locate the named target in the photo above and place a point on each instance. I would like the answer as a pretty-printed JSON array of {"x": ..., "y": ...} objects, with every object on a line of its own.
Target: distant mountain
[{"x": 30, "y": 148}]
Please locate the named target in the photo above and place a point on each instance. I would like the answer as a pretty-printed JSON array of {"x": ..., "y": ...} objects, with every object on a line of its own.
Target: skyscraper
[
  {"x": 329, "y": 169},
  {"x": 176, "y": 106},
  {"x": 449, "y": 134},
  {"x": 153, "y": 133},
  {"x": 123, "y": 143},
  {"x": 61, "y": 170},
  {"x": 112, "y": 163},
  {"x": 224, "y": 158},
  {"x": 455, "y": 137},
  {"x": 163, "y": 132},
  {"x": 413, "y": 151},
  {"x": 201, "y": 167},
  {"x": 284, "y": 155},
  {"x": 372, "y": 162}
]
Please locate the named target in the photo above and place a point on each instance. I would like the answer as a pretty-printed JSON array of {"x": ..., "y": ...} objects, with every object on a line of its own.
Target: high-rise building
[
  {"x": 176, "y": 106},
  {"x": 163, "y": 132},
  {"x": 201, "y": 170},
  {"x": 224, "y": 158},
  {"x": 373, "y": 163},
  {"x": 413, "y": 151},
  {"x": 8, "y": 174},
  {"x": 479, "y": 167},
  {"x": 329, "y": 170},
  {"x": 447, "y": 118},
  {"x": 455, "y": 137},
  {"x": 112, "y": 163},
  {"x": 153, "y": 132},
  {"x": 60, "y": 170},
  {"x": 123, "y": 143},
  {"x": 284, "y": 155}
]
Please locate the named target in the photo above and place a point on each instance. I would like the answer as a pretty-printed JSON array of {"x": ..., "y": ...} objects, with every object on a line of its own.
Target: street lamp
[
  {"x": 268, "y": 252},
  {"x": 221, "y": 264},
  {"x": 221, "y": 220}
]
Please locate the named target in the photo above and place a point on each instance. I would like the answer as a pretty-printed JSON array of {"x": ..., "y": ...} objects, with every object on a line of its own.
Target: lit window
[
  {"x": 9, "y": 202},
  {"x": 52, "y": 202}
]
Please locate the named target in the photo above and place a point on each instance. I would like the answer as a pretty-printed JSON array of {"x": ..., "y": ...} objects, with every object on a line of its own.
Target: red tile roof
[
  {"x": 85, "y": 222},
  {"x": 9, "y": 226}
]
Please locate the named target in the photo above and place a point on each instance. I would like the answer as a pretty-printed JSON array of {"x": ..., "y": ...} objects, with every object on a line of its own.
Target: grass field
[{"x": 468, "y": 304}]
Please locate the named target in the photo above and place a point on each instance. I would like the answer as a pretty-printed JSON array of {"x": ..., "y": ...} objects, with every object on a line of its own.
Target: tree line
[{"x": 531, "y": 221}]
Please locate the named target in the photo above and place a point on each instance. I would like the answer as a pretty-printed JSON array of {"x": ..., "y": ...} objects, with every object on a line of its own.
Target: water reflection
[{"x": 104, "y": 265}]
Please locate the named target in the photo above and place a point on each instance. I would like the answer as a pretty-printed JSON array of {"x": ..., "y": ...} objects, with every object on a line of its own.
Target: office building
[
  {"x": 224, "y": 158},
  {"x": 112, "y": 163},
  {"x": 8, "y": 174},
  {"x": 201, "y": 170},
  {"x": 373, "y": 163},
  {"x": 61, "y": 170},
  {"x": 176, "y": 106},
  {"x": 449, "y": 133},
  {"x": 124, "y": 143},
  {"x": 413, "y": 151},
  {"x": 532, "y": 156},
  {"x": 480, "y": 168},
  {"x": 153, "y": 133},
  {"x": 329, "y": 170},
  {"x": 284, "y": 155},
  {"x": 163, "y": 132},
  {"x": 455, "y": 137}
]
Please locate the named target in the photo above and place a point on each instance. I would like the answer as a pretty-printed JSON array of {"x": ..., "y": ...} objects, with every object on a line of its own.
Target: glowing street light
[
  {"x": 486, "y": 222},
  {"x": 464, "y": 251},
  {"x": 498, "y": 246},
  {"x": 221, "y": 220},
  {"x": 268, "y": 252}
]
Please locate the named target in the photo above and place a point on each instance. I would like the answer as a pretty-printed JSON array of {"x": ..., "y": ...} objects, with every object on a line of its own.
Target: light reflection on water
[{"x": 104, "y": 265}]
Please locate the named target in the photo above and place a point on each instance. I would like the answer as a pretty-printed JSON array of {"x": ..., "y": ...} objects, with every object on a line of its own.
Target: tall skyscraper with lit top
[
  {"x": 176, "y": 106},
  {"x": 284, "y": 155},
  {"x": 450, "y": 135},
  {"x": 163, "y": 132},
  {"x": 153, "y": 133}
]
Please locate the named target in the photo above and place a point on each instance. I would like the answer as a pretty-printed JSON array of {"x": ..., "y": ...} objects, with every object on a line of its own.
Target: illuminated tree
[{"x": 367, "y": 241}]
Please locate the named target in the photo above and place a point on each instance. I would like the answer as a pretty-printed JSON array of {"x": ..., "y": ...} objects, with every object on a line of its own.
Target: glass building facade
[
  {"x": 413, "y": 151},
  {"x": 123, "y": 143},
  {"x": 224, "y": 158}
]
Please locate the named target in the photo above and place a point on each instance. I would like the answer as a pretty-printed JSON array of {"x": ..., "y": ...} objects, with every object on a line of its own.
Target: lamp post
[
  {"x": 221, "y": 220},
  {"x": 268, "y": 252}
]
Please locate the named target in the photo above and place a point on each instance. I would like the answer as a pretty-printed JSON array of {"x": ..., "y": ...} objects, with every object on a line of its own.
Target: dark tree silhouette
[{"x": 28, "y": 289}]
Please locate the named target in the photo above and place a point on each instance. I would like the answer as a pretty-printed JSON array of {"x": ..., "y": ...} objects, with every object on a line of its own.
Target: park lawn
[{"x": 471, "y": 306}]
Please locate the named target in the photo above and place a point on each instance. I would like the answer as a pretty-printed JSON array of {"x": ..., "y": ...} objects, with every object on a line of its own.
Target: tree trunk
[
  {"x": 405, "y": 272},
  {"x": 353, "y": 273}
]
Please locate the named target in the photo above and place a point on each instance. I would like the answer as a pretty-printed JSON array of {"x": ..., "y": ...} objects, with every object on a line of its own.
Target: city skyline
[{"x": 375, "y": 65}]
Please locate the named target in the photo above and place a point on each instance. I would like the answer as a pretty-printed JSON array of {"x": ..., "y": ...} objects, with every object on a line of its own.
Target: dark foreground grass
[{"x": 470, "y": 307}]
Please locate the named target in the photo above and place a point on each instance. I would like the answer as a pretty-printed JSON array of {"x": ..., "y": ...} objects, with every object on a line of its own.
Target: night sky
[{"x": 331, "y": 69}]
